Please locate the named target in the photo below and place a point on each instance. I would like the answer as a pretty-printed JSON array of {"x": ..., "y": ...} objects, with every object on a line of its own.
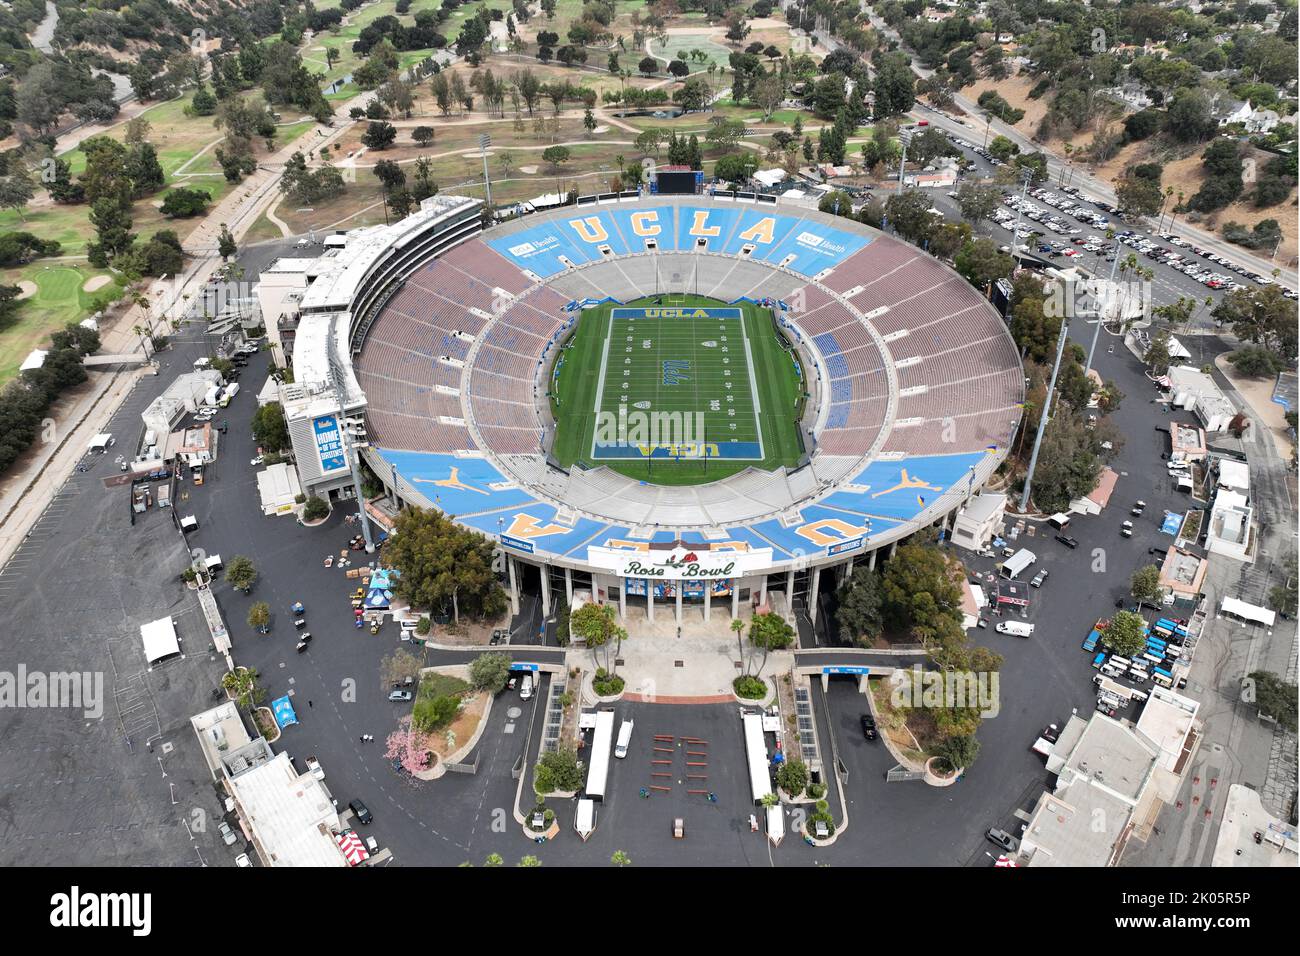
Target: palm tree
[
  {"x": 620, "y": 858},
  {"x": 738, "y": 627}
]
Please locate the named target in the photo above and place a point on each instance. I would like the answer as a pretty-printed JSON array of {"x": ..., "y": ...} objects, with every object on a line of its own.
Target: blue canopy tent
[{"x": 1173, "y": 521}]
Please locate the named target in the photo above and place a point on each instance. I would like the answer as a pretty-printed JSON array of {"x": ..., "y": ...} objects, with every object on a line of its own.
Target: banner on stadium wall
[
  {"x": 667, "y": 590},
  {"x": 329, "y": 443},
  {"x": 680, "y": 563}
]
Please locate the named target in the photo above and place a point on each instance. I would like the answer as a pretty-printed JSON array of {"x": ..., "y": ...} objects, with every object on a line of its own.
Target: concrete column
[
  {"x": 708, "y": 599},
  {"x": 892, "y": 546},
  {"x": 568, "y": 586},
  {"x": 622, "y": 601},
  {"x": 871, "y": 562},
  {"x": 762, "y": 591},
  {"x": 845, "y": 570},
  {"x": 789, "y": 590},
  {"x": 649, "y": 600},
  {"x": 812, "y": 594},
  {"x": 679, "y": 603},
  {"x": 514, "y": 585},
  {"x": 546, "y": 590},
  {"x": 735, "y": 598}
]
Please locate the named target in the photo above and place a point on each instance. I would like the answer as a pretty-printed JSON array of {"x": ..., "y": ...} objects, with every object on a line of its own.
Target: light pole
[
  {"x": 1110, "y": 288},
  {"x": 484, "y": 141},
  {"x": 1042, "y": 421}
]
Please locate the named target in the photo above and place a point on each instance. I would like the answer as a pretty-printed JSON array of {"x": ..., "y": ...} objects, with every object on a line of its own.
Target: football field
[{"x": 676, "y": 391}]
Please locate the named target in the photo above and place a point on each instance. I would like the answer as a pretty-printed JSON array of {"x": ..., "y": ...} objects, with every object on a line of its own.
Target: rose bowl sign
[{"x": 680, "y": 563}]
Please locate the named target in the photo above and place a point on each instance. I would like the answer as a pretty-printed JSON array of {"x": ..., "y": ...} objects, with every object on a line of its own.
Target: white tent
[
  {"x": 159, "y": 640},
  {"x": 1248, "y": 612}
]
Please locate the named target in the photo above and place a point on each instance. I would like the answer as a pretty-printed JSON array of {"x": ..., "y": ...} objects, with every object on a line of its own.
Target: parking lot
[{"x": 1058, "y": 223}]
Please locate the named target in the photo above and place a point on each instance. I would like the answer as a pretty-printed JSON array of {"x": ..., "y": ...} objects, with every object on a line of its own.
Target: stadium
[{"x": 646, "y": 398}]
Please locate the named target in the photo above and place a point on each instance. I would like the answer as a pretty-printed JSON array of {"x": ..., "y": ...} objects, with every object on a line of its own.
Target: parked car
[
  {"x": 1038, "y": 580},
  {"x": 227, "y": 835},
  {"x": 256, "y": 461},
  {"x": 868, "y": 726},
  {"x": 1068, "y": 541},
  {"x": 1003, "y": 839},
  {"x": 1126, "y": 529},
  {"x": 399, "y": 696},
  {"x": 243, "y": 861},
  {"x": 1138, "y": 508},
  {"x": 361, "y": 810}
]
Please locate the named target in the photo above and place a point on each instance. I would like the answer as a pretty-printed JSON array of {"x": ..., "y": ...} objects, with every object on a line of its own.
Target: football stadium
[{"x": 643, "y": 398}]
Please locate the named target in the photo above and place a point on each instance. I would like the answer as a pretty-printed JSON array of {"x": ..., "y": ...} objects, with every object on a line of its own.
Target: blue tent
[
  {"x": 283, "y": 710},
  {"x": 1173, "y": 521}
]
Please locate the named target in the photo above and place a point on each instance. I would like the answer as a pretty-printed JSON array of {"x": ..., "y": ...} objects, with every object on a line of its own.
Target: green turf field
[{"x": 677, "y": 399}]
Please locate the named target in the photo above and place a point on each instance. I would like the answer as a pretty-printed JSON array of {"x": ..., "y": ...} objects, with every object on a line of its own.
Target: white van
[
  {"x": 526, "y": 687},
  {"x": 1059, "y": 520},
  {"x": 189, "y": 523},
  {"x": 1018, "y": 628},
  {"x": 624, "y": 738}
]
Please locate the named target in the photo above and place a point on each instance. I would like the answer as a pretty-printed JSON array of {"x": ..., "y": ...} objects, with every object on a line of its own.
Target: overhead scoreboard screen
[
  {"x": 677, "y": 383},
  {"x": 685, "y": 182}
]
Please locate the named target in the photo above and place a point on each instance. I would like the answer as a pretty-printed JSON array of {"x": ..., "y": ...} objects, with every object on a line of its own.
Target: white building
[
  {"x": 978, "y": 521},
  {"x": 1229, "y": 530},
  {"x": 1195, "y": 391},
  {"x": 183, "y": 395},
  {"x": 290, "y": 817},
  {"x": 1103, "y": 775},
  {"x": 329, "y": 308}
]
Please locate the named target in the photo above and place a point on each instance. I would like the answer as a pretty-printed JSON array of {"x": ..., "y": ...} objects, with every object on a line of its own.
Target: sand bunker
[
  {"x": 29, "y": 289},
  {"x": 95, "y": 283}
]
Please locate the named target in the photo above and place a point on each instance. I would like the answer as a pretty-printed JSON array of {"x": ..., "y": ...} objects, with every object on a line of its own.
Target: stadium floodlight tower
[
  {"x": 1043, "y": 419},
  {"x": 349, "y": 453},
  {"x": 484, "y": 142}
]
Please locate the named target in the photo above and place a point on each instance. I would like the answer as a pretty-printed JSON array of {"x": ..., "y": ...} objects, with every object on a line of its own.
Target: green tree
[
  {"x": 443, "y": 565},
  {"x": 858, "y": 615},
  {"x": 792, "y": 777},
  {"x": 269, "y": 427},
  {"x": 978, "y": 201},
  {"x": 1125, "y": 634},
  {"x": 770, "y": 632},
  {"x": 620, "y": 858},
  {"x": 595, "y": 624},
  {"x": 259, "y": 617},
  {"x": 557, "y": 771},
  {"x": 241, "y": 573},
  {"x": 315, "y": 509},
  {"x": 1274, "y": 697},
  {"x": 1144, "y": 584},
  {"x": 909, "y": 214},
  {"x": 959, "y": 753},
  {"x": 490, "y": 672},
  {"x": 980, "y": 263},
  {"x": 556, "y": 156},
  {"x": 918, "y": 590},
  {"x": 226, "y": 245}
]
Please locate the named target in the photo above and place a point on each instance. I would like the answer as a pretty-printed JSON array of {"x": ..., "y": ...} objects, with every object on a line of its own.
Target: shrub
[
  {"x": 608, "y": 686},
  {"x": 423, "y": 626},
  {"x": 432, "y": 713},
  {"x": 793, "y": 777},
  {"x": 315, "y": 509},
  {"x": 750, "y": 688},
  {"x": 559, "y": 769}
]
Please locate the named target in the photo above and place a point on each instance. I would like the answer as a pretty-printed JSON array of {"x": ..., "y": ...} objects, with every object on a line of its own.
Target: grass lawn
[
  {"x": 442, "y": 685},
  {"x": 59, "y": 301},
  {"x": 729, "y": 369}
]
